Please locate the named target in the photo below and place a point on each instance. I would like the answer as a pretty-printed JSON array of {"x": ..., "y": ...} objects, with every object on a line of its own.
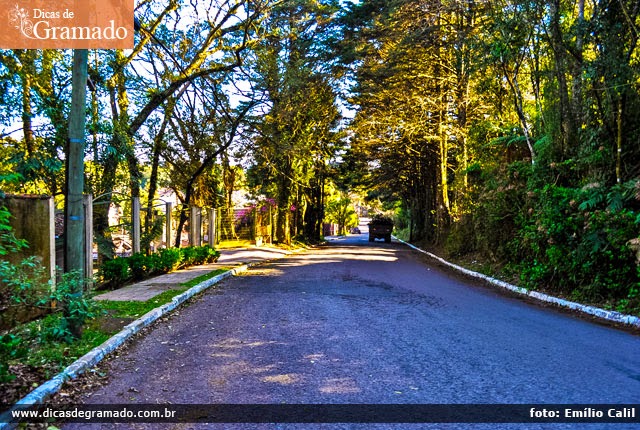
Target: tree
[
  {"x": 340, "y": 211},
  {"x": 204, "y": 130},
  {"x": 212, "y": 47},
  {"x": 294, "y": 134}
]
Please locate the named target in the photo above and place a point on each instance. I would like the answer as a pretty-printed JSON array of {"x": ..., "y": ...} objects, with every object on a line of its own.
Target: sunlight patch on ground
[
  {"x": 285, "y": 379},
  {"x": 237, "y": 343},
  {"x": 261, "y": 272},
  {"x": 314, "y": 357},
  {"x": 222, "y": 355},
  {"x": 339, "y": 386},
  {"x": 344, "y": 255}
]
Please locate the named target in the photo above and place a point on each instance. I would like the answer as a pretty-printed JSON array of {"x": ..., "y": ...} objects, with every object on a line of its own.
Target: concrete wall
[{"x": 32, "y": 219}]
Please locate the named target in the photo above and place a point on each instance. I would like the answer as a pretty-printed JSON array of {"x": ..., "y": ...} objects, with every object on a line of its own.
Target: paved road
[{"x": 356, "y": 322}]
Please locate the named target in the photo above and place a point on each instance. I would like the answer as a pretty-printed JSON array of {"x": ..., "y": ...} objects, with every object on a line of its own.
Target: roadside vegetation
[
  {"x": 505, "y": 134},
  {"x": 501, "y": 134},
  {"x": 32, "y": 352}
]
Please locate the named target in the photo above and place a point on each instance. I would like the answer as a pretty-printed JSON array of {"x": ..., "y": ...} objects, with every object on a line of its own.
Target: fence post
[
  {"x": 88, "y": 238},
  {"x": 168, "y": 211},
  {"x": 212, "y": 227},
  {"x": 135, "y": 221},
  {"x": 195, "y": 226}
]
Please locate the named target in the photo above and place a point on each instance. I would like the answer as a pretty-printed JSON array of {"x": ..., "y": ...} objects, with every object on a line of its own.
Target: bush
[
  {"x": 8, "y": 242},
  {"x": 460, "y": 241},
  {"x": 10, "y": 348},
  {"x": 207, "y": 254},
  {"x": 578, "y": 247},
  {"x": 75, "y": 307},
  {"x": 115, "y": 271},
  {"x": 500, "y": 206},
  {"x": 576, "y": 242},
  {"x": 29, "y": 287},
  {"x": 141, "y": 265},
  {"x": 196, "y": 255},
  {"x": 153, "y": 261},
  {"x": 169, "y": 259},
  {"x": 189, "y": 256}
]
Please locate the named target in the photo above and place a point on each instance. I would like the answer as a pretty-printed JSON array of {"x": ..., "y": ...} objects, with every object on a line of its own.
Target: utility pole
[
  {"x": 74, "y": 246},
  {"x": 74, "y": 252}
]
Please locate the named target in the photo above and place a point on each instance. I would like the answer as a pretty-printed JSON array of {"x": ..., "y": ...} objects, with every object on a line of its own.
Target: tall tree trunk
[
  {"x": 27, "y": 74},
  {"x": 619, "y": 139},
  {"x": 443, "y": 139},
  {"x": 158, "y": 145},
  {"x": 567, "y": 118},
  {"x": 518, "y": 104},
  {"x": 283, "y": 232},
  {"x": 577, "y": 92}
]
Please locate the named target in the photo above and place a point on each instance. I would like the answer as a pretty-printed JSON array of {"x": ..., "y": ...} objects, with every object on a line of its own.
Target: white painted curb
[
  {"x": 590, "y": 310},
  {"x": 94, "y": 356}
]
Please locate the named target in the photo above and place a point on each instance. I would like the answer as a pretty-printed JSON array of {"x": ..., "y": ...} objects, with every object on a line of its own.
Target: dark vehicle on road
[{"x": 380, "y": 227}]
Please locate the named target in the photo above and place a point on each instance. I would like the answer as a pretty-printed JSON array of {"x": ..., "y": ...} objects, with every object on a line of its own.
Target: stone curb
[
  {"x": 613, "y": 316},
  {"x": 93, "y": 357}
]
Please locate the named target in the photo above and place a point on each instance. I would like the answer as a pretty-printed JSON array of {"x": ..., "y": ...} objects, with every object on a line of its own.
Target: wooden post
[{"x": 195, "y": 226}]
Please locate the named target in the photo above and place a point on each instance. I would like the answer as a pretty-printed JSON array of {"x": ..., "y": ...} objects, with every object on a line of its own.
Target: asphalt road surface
[{"x": 362, "y": 323}]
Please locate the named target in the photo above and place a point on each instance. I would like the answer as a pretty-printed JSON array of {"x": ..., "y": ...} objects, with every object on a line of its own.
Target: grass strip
[
  {"x": 51, "y": 356},
  {"x": 135, "y": 309}
]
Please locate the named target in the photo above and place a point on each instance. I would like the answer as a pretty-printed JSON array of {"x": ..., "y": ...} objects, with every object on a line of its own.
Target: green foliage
[
  {"x": 152, "y": 231},
  {"x": 207, "y": 254},
  {"x": 170, "y": 259},
  {"x": 8, "y": 242},
  {"x": 494, "y": 220},
  {"x": 570, "y": 241},
  {"x": 189, "y": 255},
  {"x": 141, "y": 265},
  {"x": 115, "y": 272},
  {"x": 48, "y": 352},
  {"x": 76, "y": 308},
  {"x": 461, "y": 237},
  {"x": 28, "y": 287},
  {"x": 25, "y": 283},
  {"x": 57, "y": 355},
  {"x": 576, "y": 241},
  {"x": 341, "y": 212},
  {"x": 11, "y": 347},
  {"x": 498, "y": 167},
  {"x": 297, "y": 137}
]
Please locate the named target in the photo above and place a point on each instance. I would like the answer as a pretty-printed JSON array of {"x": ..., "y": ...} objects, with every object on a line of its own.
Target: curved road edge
[
  {"x": 93, "y": 357},
  {"x": 604, "y": 314}
]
